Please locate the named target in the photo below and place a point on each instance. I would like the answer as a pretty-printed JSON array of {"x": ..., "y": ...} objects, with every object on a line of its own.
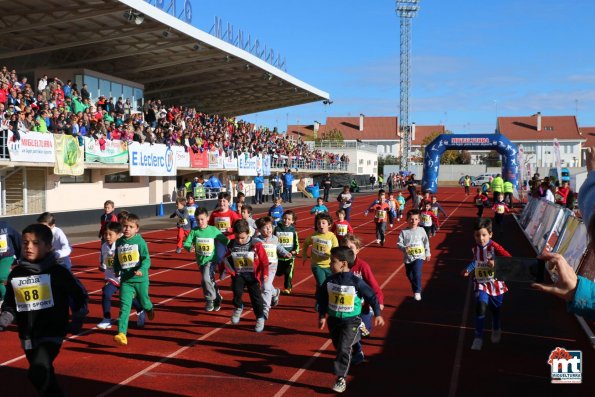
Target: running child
[
  {"x": 319, "y": 207},
  {"x": 223, "y": 217},
  {"x": 182, "y": 222},
  {"x": 322, "y": 241},
  {"x": 288, "y": 238},
  {"x": 60, "y": 243},
  {"x": 415, "y": 244},
  {"x": 341, "y": 227},
  {"x": 345, "y": 200},
  {"x": 428, "y": 219},
  {"x": 246, "y": 213},
  {"x": 488, "y": 290},
  {"x": 209, "y": 245},
  {"x": 426, "y": 199},
  {"x": 109, "y": 215},
  {"x": 247, "y": 263},
  {"x": 401, "y": 205},
  {"x": 10, "y": 248},
  {"x": 362, "y": 270},
  {"x": 274, "y": 250},
  {"x": 481, "y": 201},
  {"x": 392, "y": 208},
  {"x": 380, "y": 208},
  {"x": 37, "y": 296},
  {"x": 437, "y": 210},
  {"x": 276, "y": 211},
  {"x": 191, "y": 206},
  {"x": 239, "y": 203},
  {"x": 132, "y": 262},
  {"x": 340, "y": 298},
  {"x": 113, "y": 231},
  {"x": 500, "y": 209}
]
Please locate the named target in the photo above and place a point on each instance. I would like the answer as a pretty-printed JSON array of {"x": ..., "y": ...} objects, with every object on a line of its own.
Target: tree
[
  {"x": 464, "y": 157},
  {"x": 492, "y": 159},
  {"x": 448, "y": 157},
  {"x": 386, "y": 160},
  {"x": 334, "y": 135}
]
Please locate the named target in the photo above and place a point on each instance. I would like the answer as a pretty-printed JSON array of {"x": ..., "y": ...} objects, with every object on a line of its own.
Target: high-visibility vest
[{"x": 508, "y": 187}]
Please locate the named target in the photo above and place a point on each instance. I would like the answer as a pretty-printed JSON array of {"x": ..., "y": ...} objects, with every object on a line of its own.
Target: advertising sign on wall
[
  {"x": 151, "y": 160},
  {"x": 35, "y": 147},
  {"x": 113, "y": 152}
]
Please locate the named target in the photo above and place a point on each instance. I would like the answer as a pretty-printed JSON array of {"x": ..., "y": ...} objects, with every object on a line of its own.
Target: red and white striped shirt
[{"x": 483, "y": 274}]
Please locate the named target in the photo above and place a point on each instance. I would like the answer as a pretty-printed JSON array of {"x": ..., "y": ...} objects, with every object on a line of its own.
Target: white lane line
[{"x": 456, "y": 366}]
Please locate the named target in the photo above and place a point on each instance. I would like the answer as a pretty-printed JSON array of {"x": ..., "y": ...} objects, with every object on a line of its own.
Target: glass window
[
  {"x": 116, "y": 90},
  {"x": 93, "y": 85},
  {"x": 120, "y": 177},
  {"x": 85, "y": 178},
  {"x": 127, "y": 92},
  {"x": 105, "y": 88},
  {"x": 138, "y": 97}
]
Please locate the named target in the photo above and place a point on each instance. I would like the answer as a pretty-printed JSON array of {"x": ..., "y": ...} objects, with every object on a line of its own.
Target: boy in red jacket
[
  {"x": 428, "y": 219},
  {"x": 224, "y": 218},
  {"x": 481, "y": 201},
  {"x": 341, "y": 227},
  {"x": 247, "y": 263},
  {"x": 380, "y": 208}
]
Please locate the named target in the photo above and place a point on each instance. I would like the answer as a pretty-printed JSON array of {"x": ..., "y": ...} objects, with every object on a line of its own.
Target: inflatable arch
[{"x": 508, "y": 150}]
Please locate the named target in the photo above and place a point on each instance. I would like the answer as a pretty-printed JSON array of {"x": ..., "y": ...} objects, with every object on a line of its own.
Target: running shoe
[
  {"x": 140, "y": 319},
  {"x": 217, "y": 302},
  {"x": 417, "y": 296},
  {"x": 496, "y": 335},
  {"x": 259, "y": 324},
  {"x": 105, "y": 323},
  {"x": 340, "y": 385},
  {"x": 210, "y": 306},
  {"x": 477, "y": 344},
  {"x": 121, "y": 339},
  {"x": 275, "y": 300},
  {"x": 237, "y": 313}
]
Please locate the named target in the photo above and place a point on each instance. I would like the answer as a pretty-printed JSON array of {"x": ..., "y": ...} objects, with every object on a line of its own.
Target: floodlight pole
[{"x": 406, "y": 9}]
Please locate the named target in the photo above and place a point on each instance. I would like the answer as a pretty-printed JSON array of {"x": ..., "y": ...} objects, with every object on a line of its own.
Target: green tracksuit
[
  {"x": 288, "y": 238},
  {"x": 131, "y": 256}
]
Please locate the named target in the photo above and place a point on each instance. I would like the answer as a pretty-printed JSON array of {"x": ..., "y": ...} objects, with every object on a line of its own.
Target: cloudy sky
[{"x": 471, "y": 60}]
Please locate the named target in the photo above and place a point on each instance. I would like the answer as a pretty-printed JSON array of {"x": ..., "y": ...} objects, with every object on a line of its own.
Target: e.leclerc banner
[{"x": 151, "y": 160}]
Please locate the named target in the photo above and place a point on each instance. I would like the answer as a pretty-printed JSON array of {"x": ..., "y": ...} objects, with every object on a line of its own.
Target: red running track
[{"x": 422, "y": 351}]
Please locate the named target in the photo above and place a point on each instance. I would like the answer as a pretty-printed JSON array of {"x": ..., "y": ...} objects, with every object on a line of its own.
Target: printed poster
[
  {"x": 35, "y": 147},
  {"x": 114, "y": 152},
  {"x": 70, "y": 157}
]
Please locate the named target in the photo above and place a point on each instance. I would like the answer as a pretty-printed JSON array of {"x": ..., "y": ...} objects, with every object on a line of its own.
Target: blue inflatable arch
[{"x": 508, "y": 150}]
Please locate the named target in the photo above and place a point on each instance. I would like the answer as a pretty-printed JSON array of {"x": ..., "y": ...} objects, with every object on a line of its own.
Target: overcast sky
[{"x": 471, "y": 60}]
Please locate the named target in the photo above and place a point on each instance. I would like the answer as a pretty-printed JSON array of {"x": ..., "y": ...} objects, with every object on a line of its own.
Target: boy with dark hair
[
  {"x": 132, "y": 262},
  {"x": 322, "y": 241},
  {"x": 380, "y": 208},
  {"x": 247, "y": 216},
  {"x": 247, "y": 263},
  {"x": 210, "y": 245},
  {"x": 415, "y": 244},
  {"x": 488, "y": 290},
  {"x": 223, "y": 218},
  {"x": 481, "y": 200},
  {"x": 183, "y": 223},
  {"x": 276, "y": 211},
  {"x": 345, "y": 200},
  {"x": 109, "y": 215},
  {"x": 341, "y": 297},
  {"x": 288, "y": 238},
  {"x": 38, "y": 294}
]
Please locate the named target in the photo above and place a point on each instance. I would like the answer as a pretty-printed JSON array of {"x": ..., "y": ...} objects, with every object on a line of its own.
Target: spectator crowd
[{"x": 63, "y": 108}]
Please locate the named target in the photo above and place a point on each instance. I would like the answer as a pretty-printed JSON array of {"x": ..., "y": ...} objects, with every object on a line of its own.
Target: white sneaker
[
  {"x": 477, "y": 344},
  {"x": 417, "y": 296},
  {"x": 237, "y": 313},
  {"x": 377, "y": 241},
  {"x": 140, "y": 319},
  {"x": 105, "y": 324},
  {"x": 496, "y": 335},
  {"x": 391, "y": 225},
  {"x": 259, "y": 324}
]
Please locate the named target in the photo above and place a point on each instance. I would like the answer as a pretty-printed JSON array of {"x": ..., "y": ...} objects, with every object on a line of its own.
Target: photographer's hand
[{"x": 567, "y": 280}]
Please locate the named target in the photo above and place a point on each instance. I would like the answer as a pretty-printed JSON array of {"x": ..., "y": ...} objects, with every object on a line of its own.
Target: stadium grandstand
[{"x": 94, "y": 94}]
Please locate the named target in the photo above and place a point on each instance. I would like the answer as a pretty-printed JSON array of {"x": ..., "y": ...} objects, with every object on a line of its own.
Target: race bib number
[
  {"x": 341, "y": 298},
  {"x": 108, "y": 260},
  {"x": 223, "y": 224},
  {"x": 191, "y": 210},
  {"x": 285, "y": 239},
  {"x": 500, "y": 209},
  {"x": 33, "y": 292},
  {"x": 559, "y": 197},
  {"x": 380, "y": 214},
  {"x": 271, "y": 250},
  {"x": 484, "y": 273},
  {"x": 204, "y": 246},
  {"x": 128, "y": 256},
  {"x": 426, "y": 220},
  {"x": 435, "y": 211},
  {"x": 478, "y": 202},
  {"x": 342, "y": 230},
  {"x": 3, "y": 243},
  {"x": 416, "y": 251},
  {"x": 183, "y": 221},
  {"x": 243, "y": 262},
  {"x": 321, "y": 247}
]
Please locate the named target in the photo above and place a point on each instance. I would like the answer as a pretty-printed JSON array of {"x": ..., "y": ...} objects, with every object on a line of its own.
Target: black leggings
[{"x": 41, "y": 368}]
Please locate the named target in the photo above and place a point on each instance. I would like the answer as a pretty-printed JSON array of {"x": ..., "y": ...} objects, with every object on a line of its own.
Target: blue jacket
[
  {"x": 288, "y": 179},
  {"x": 318, "y": 208},
  {"x": 13, "y": 241},
  {"x": 214, "y": 182},
  {"x": 276, "y": 213},
  {"x": 345, "y": 279},
  {"x": 583, "y": 303},
  {"x": 259, "y": 182}
]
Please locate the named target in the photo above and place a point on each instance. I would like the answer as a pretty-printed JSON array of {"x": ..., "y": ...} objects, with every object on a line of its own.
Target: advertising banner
[
  {"x": 215, "y": 159},
  {"x": 198, "y": 159},
  {"x": 181, "y": 155},
  {"x": 266, "y": 165},
  {"x": 70, "y": 157},
  {"x": 36, "y": 147},
  {"x": 557, "y": 159},
  {"x": 151, "y": 160},
  {"x": 114, "y": 152},
  {"x": 249, "y": 166},
  {"x": 573, "y": 242},
  {"x": 230, "y": 163}
]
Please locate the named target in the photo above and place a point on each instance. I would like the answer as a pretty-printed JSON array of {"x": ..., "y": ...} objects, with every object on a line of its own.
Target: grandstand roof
[
  {"x": 175, "y": 61},
  {"x": 524, "y": 128}
]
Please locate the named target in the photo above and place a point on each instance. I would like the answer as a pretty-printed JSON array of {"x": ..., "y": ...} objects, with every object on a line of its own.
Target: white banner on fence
[
  {"x": 215, "y": 159},
  {"x": 151, "y": 160},
  {"x": 114, "y": 152},
  {"x": 557, "y": 159},
  {"x": 249, "y": 166},
  {"x": 36, "y": 147},
  {"x": 182, "y": 156},
  {"x": 230, "y": 163}
]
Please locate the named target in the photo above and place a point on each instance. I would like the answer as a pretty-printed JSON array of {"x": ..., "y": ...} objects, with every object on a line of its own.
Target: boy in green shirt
[
  {"x": 210, "y": 245},
  {"x": 132, "y": 262}
]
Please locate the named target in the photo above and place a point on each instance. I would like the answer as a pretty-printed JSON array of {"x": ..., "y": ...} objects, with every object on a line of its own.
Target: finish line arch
[{"x": 498, "y": 142}]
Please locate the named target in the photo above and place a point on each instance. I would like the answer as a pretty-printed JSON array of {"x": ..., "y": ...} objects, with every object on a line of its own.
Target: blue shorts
[{"x": 493, "y": 301}]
